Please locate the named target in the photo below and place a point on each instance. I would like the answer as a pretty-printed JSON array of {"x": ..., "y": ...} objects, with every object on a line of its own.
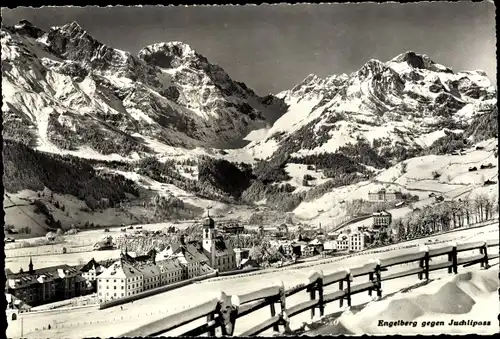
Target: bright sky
[{"x": 273, "y": 47}]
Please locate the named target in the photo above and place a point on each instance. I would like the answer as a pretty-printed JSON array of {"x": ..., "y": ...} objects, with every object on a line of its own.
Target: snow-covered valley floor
[{"x": 110, "y": 322}]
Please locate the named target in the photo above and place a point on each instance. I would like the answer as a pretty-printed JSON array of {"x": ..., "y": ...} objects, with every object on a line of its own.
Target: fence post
[
  {"x": 379, "y": 279},
  {"x": 320, "y": 294},
  {"x": 377, "y": 283},
  {"x": 233, "y": 314},
  {"x": 424, "y": 263},
  {"x": 273, "y": 311},
  {"x": 211, "y": 317},
  {"x": 313, "y": 281},
  {"x": 282, "y": 300},
  {"x": 222, "y": 311},
  {"x": 421, "y": 265},
  {"x": 370, "y": 277},
  {"x": 426, "y": 259},
  {"x": 348, "y": 280},
  {"x": 341, "y": 288},
  {"x": 484, "y": 263},
  {"x": 454, "y": 257}
]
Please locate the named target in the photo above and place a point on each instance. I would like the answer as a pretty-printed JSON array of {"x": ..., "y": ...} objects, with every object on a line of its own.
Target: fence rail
[{"x": 223, "y": 312}]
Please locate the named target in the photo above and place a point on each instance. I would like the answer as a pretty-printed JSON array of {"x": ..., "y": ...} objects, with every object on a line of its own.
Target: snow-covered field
[
  {"x": 50, "y": 255},
  {"x": 114, "y": 321},
  {"x": 455, "y": 181}
]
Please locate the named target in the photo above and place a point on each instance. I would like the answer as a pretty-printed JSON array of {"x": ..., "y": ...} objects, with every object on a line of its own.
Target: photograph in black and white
[{"x": 256, "y": 170}]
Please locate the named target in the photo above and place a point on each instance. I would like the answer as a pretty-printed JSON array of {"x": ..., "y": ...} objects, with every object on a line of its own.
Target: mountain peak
[
  {"x": 73, "y": 25},
  {"x": 413, "y": 59},
  {"x": 167, "y": 54},
  {"x": 26, "y": 27},
  {"x": 420, "y": 61}
]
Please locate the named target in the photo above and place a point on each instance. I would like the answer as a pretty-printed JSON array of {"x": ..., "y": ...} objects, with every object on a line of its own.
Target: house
[
  {"x": 288, "y": 248},
  {"x": 330, "y": 245},
  {"x": 240, "y": 255},
  {"x": 45, "y": 285},
  {"x": 383, "y": 195},
  {"x": 317, "y": 245},
  {"x": 356, "y": 241},
  {"x": 343, "y": 242},
  {"x": 151, "y": 274},
  {"x": 248, "y": 263},
  {"x": 489, "y": 165},
  {"x": 489, "y": 182},
  {"x": 90, "y": 271},
  {"x": 189, "y": 258},
  {"x": 170, "y": 271},
  {"x": 381, "y": 219},
  {"x": 283, "y": 229},
  {"x": 119, "y": 280},
  {"x": 306, "y": 250},
  {"x": 232, "y": 228},
  {"x": 105, "y": 244}
]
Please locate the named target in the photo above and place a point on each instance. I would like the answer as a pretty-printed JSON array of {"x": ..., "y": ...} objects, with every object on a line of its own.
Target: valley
[{"x": 96, "y": 138}]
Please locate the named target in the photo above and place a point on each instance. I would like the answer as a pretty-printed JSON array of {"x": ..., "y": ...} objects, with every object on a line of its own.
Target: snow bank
[{"x": 454, "y": 304}]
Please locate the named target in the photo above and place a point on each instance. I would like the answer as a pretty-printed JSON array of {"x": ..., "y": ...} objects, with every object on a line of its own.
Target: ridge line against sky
[{"x": 272, "y": 48}]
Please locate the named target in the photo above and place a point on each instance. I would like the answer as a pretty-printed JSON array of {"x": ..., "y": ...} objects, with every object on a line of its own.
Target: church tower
[
  {"x": 209, "y": 239},
  {"x": 30, "y": 266}
]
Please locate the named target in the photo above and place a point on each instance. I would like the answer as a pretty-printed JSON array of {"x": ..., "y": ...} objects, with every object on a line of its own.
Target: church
[{"x": 220, "y": 254}]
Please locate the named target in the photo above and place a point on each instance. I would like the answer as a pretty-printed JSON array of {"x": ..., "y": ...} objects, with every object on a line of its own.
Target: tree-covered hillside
[{"x": 25, "y": 168}]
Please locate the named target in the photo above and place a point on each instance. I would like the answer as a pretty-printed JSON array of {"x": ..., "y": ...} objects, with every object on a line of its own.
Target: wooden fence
[{"x": 224, "y": 311}]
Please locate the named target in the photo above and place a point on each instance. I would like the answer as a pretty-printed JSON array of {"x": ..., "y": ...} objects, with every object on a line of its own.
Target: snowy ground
[
  {"x": 114, "y": 321},
  {"x": 455, "y": 181},
  {"x": 469, "y": 297},
  {"x": 82, "y": 242}
]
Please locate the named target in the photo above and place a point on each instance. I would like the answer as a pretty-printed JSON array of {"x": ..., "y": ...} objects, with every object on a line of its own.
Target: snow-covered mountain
[
  {"x": 407, "y": 102},
  {"x": 73, "y": 92},
  {"x": 66, "y": 93}
]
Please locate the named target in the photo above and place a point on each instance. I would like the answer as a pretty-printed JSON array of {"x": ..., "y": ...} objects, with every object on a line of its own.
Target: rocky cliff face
[
  {"x": 403, "y": 103},
  {"x": 71, "y": 90}
]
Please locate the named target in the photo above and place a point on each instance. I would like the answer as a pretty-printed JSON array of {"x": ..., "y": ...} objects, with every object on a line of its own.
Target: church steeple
[
  {"x": 209, "y": 238},
  {"x": 30, "y": 266}
]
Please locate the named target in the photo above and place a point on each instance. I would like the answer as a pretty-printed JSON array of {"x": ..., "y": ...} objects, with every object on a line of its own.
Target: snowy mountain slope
[
  {"x": 455, "y": 181},
  {"x": 160, "y": 114},
  {"x": 71, "y": 91},
  {"x": 406, "y": 102}
]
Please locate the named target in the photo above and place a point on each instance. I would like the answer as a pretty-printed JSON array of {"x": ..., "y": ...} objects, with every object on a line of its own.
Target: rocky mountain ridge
[
  {"x": 63, "y": 83},
  {"x": 174, "y": 124},
  {"x": 405, "y": 103}
]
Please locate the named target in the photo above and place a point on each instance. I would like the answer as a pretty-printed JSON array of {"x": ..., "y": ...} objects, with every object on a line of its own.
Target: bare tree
[{"x": 467, "y": 208}]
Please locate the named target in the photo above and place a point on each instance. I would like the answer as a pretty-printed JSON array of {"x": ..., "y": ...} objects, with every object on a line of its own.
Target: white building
[
  {"x": 171, "y": 271},
  {"x": 91, "y": 270},
  {"x": 330, "y": 245},
  {"x": 119, "y": 280},
  {"x": 151, "y": 275},
  {"x": 356, "y": 241},
  {"x": 343, "y": 242}
]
